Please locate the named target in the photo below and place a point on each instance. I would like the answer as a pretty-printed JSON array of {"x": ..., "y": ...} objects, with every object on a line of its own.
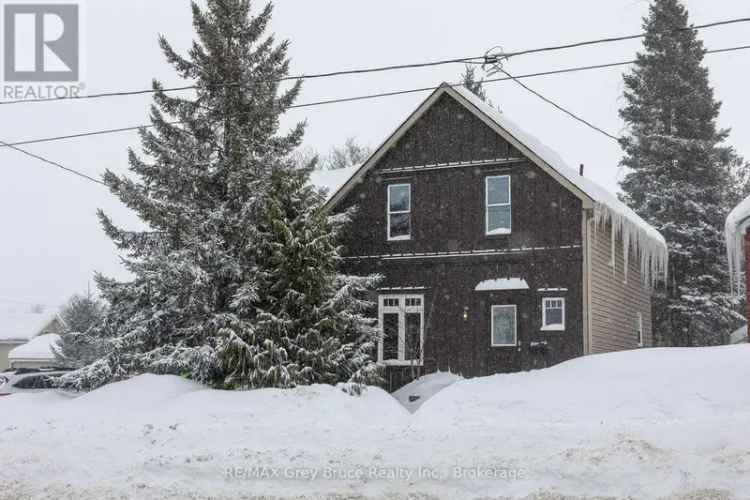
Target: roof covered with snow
[
  {"x": 38, "y": 348},
  {"x": 502, "y": 284},
  {"x": 633, "y": 230},
  {"x": 332, "y": 180},
  {"x": 21, "y": 326}
]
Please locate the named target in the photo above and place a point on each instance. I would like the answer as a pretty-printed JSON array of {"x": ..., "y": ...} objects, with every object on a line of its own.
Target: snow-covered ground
[{"x": 657, "y": 423}]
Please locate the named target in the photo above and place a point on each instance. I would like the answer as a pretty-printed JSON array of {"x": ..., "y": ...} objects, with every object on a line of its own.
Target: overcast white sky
[{"x": 50, "y": 240}]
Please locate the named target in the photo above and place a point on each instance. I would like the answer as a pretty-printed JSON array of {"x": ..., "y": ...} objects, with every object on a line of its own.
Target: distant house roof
[
  {"x": 648, "y": 242},
  {"x": 16, "y": 326},
  {"x": 332, "y": 180},
  {"x": 37, "y": 349}
]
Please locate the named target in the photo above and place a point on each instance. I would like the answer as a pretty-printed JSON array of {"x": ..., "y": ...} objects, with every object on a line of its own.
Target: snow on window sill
[
  {"x": 553, "y": 328},
  {"x": 399, "y": 238},
  {"x": 495, "y": 232}
]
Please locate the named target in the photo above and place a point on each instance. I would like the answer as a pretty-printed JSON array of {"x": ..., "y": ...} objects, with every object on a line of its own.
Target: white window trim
[
  {"x": 556, "y": 327},
  {"x": 389, "y": 213},
  {"x": 639, "y": 331},
  {"x": 487, "y": 206},
  {"x": 492, "y": 326},
  {"x": 401, "y": 310}
]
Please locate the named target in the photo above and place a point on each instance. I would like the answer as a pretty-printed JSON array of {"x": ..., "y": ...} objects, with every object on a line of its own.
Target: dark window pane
[
  {"x": 498, "y": 190},
  {"x": 498, "y": 218},
  {"x": 400, "y": 225},
  {"x": 390, "y": 336},
  {"x": 400, "y": 198},
  {"x": 504, "y": 325},
  {"x": 554, "y": 316},
  {"x": 413, "y": 337}
]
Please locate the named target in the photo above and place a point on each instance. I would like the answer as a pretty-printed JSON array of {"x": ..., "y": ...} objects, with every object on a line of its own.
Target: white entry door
[{"x": 401, "y": 320}]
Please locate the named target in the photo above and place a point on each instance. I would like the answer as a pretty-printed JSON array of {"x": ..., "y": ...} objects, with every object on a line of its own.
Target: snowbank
[
  {"x": 645, "y": 424},
  {"x": 649, "y": 384},
  {"x": 416, "y": 393},
  {"x": 37, "y": 349}
]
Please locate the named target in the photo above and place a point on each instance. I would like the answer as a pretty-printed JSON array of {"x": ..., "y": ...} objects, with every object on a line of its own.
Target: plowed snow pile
[{"x": 656, "y": 423}]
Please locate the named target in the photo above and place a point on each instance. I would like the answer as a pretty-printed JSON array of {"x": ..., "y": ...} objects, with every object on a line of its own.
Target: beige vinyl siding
[{"x": 615, "y": 303}]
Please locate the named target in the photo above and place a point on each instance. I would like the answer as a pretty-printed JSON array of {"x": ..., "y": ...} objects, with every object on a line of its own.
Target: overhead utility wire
[
  {"x": 51, "y": 162},
  {"x": 363, "y": 97},
  {"x": 558, "y": 106},
  {"x": 122, "y": 93},
  {"x": 475, "y": 59}
]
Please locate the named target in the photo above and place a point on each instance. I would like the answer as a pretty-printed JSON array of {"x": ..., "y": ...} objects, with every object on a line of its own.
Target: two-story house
[{"x": 496, "y": 256}]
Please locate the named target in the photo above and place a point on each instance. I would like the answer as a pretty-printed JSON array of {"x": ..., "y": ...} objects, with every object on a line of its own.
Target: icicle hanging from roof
[
  {"x": 737, "y": 223},
  {"x": 651, "y": 252}
]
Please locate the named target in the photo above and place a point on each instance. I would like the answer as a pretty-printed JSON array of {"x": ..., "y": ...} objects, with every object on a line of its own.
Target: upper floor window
[
  {"x": 498, "y": 210},
  {"x": 399, "y": 211},
  {"x": 553, "y": 313}
]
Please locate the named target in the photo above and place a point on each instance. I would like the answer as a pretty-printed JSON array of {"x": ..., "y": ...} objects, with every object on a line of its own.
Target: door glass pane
[
  {"x": 390, "y": 336},
  {"x": 498, "y": 218},
  {"x": 413, "y": 339},
  {"x": 400, "y": 198},
  {"x": 498, "y": 190},
  {"x": 400, "y": 225},
  {"x": 503, "y": 325}
]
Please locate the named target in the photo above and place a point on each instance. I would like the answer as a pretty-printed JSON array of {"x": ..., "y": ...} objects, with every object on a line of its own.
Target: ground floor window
[
  {"x": 504, "y": 326},
  {"x": 553, "y": 313},
  {"x": 402, "y": 324}
]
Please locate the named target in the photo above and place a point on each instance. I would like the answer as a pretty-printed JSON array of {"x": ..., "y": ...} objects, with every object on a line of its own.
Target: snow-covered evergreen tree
[
  {"x": 80, "y": 313},
  {"x": 208, "y": 187},
  {"x": 679, "y": 179},
  {"x": 310, "y": 322}
]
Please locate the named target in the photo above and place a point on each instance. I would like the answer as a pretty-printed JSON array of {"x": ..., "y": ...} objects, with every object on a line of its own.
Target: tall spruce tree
[
  {"x": 679, "y": 179},
  {"x": 235, "y": 282}
]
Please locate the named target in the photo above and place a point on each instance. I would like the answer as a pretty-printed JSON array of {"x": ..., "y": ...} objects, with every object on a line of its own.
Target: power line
[
  {"x": 236, "y": 84},
  {"x": 363, "y": 97},
  {"x": 626, "y": 37},
  {"x": 553, "y": 103},
  {"x": 474, "y": 59},
  {"x": 51, "y": 162}
]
